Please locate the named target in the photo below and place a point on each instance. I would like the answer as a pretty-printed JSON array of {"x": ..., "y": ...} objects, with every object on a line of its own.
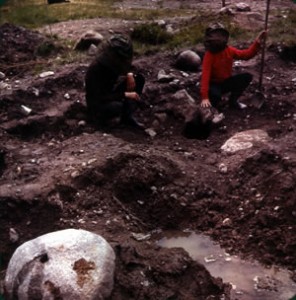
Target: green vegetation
[
  {"x": 152, "y": 34},
  {"x": 148, "y": 35},
  {"x": 36, "y": 13},
  {"x": 284, "y": 29}
]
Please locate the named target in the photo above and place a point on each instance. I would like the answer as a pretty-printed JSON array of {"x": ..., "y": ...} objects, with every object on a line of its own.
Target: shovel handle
[{"x": 264, "y": 46}]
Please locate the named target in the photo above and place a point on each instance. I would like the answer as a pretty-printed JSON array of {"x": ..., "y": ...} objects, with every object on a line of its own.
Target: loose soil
[{"x": 57, "y": 171}]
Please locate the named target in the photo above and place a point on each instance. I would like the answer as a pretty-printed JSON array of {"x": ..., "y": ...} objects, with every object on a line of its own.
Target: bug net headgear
[
  {"x": 116, "y": 53},
  {"x": 216, "y": 38}
]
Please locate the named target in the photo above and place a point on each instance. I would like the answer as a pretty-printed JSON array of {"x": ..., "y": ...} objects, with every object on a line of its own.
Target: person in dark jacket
[{"x": 112, "y": 91}]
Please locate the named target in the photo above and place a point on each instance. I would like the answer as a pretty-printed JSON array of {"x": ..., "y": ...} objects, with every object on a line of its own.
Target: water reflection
[{"x": 250, "y": 280}]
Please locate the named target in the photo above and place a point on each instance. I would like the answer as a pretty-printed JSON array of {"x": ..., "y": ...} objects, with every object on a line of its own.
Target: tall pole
[{"x": 264, "y": 45}]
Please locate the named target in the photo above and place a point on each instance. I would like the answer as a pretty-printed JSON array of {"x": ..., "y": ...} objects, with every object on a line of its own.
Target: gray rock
[
  {"x": 243, "y": 7},
  {"x": 88, "y": 38},
  {"x": 227, "y": 11},
  {"x": 151, "y": 132},
  {"x": 92, "y": 50},
  {"x": 188, "y": 61},
  {"x": 245, "y": 140},
  {"x": 163, "y": 77},
  {"x": 4, "y": 86},
  {"x": 66, "y": 264}
]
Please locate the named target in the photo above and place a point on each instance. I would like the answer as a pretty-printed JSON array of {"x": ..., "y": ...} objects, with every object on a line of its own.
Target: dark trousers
[
  {"x": 235, "y": 85},
  {"x": 126, "y": 107}
]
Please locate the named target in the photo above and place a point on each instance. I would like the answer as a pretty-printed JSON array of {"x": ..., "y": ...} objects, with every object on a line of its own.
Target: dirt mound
[{"x": 22, "y": 48}]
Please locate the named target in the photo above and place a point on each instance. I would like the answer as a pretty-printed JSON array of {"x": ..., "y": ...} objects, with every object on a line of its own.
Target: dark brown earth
[{"x": 57, "y": 171}]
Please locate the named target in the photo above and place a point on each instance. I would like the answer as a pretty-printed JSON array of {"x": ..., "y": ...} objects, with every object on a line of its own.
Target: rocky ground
[{"x": 58, "y": 172}]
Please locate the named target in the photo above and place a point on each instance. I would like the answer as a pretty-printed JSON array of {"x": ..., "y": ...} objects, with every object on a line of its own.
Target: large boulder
[
  {"x": 87, "y": 39},
  {"x": 188, "y": 61},
  {"x": 66, "y": 264}
]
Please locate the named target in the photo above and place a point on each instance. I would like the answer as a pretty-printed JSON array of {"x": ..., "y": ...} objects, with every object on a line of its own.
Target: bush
[{"x": 152, "y": 34}]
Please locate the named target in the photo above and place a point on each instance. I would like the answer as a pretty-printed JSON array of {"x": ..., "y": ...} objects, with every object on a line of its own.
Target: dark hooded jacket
[{"x": 114, "y": 59}]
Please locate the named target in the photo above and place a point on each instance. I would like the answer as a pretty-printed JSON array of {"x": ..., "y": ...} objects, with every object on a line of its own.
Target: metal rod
[{"x": 264, "y": 46}]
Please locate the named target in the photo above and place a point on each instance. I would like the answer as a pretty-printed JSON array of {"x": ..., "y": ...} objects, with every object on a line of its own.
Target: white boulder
[{"x": 66, "y": 264}]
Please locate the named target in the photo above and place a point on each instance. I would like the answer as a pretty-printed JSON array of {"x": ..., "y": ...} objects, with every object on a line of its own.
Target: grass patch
[
  {"x": 283, "y": 30},
  {"x": 188, "y": 34},
  {"x": 152, "y": 34},
  {"x": 37, "y": 13}
]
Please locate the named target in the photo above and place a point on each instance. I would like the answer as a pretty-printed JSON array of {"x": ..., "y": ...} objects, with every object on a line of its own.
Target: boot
[
  {"x": 237, "y": 105},
  {"x": 132, "y": 122}
]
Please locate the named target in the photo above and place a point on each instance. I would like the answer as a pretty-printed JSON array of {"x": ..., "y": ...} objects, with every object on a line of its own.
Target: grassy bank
[
  {"x": 147, "y": 36},
  {"x": 33, "y": 14}
]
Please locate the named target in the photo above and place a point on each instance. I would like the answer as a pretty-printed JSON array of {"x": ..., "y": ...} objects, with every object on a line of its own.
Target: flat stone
[{"x": 245, "y": 140}]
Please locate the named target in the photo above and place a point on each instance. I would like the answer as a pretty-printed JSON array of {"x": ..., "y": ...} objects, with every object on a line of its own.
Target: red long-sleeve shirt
[{"x": 217, "y": 67}]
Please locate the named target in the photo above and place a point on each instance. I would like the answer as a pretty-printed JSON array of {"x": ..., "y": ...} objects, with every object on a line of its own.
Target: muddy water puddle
[{"x": 249, "y": 280}]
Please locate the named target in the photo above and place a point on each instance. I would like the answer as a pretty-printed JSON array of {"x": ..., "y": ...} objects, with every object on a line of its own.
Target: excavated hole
[{"x": 145, "y": 185}]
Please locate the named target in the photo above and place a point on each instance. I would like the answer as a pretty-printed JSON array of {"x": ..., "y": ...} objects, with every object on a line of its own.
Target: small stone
[
  {"x": 91, "y": 161},
  {"x": 218, "y": 118},
  {"x": 223, "y": 168},
  {"x": 141, "y": 236},
  {"x": 4, "y": 86},
  {"x": 35, "y": 91},
  {"x": 46, "y": 74},
  {"x": 150, "y": 132},
  {"x": 26, "y": 110},
  {"x": 74, "y": 174},
  {"x": 13, "y": 235},
  {"x": 81, "y": 123},
  {"x": 210, "y": 259},
  {"x": 92, "y": 50},
  {"x": 163, "y": 77},
  {"x": 226, "y": 221}
]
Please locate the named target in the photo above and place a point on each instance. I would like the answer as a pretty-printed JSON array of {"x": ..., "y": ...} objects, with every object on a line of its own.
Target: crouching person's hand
[{"x": 205, "y": 103}]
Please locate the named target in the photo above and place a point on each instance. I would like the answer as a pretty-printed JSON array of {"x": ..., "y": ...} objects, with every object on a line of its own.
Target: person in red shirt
[{"x": 217, "y": 78}]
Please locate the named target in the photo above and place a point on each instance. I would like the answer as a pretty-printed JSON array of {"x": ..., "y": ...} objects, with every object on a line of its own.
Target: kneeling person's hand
[{"x": 132, "y": 96}]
